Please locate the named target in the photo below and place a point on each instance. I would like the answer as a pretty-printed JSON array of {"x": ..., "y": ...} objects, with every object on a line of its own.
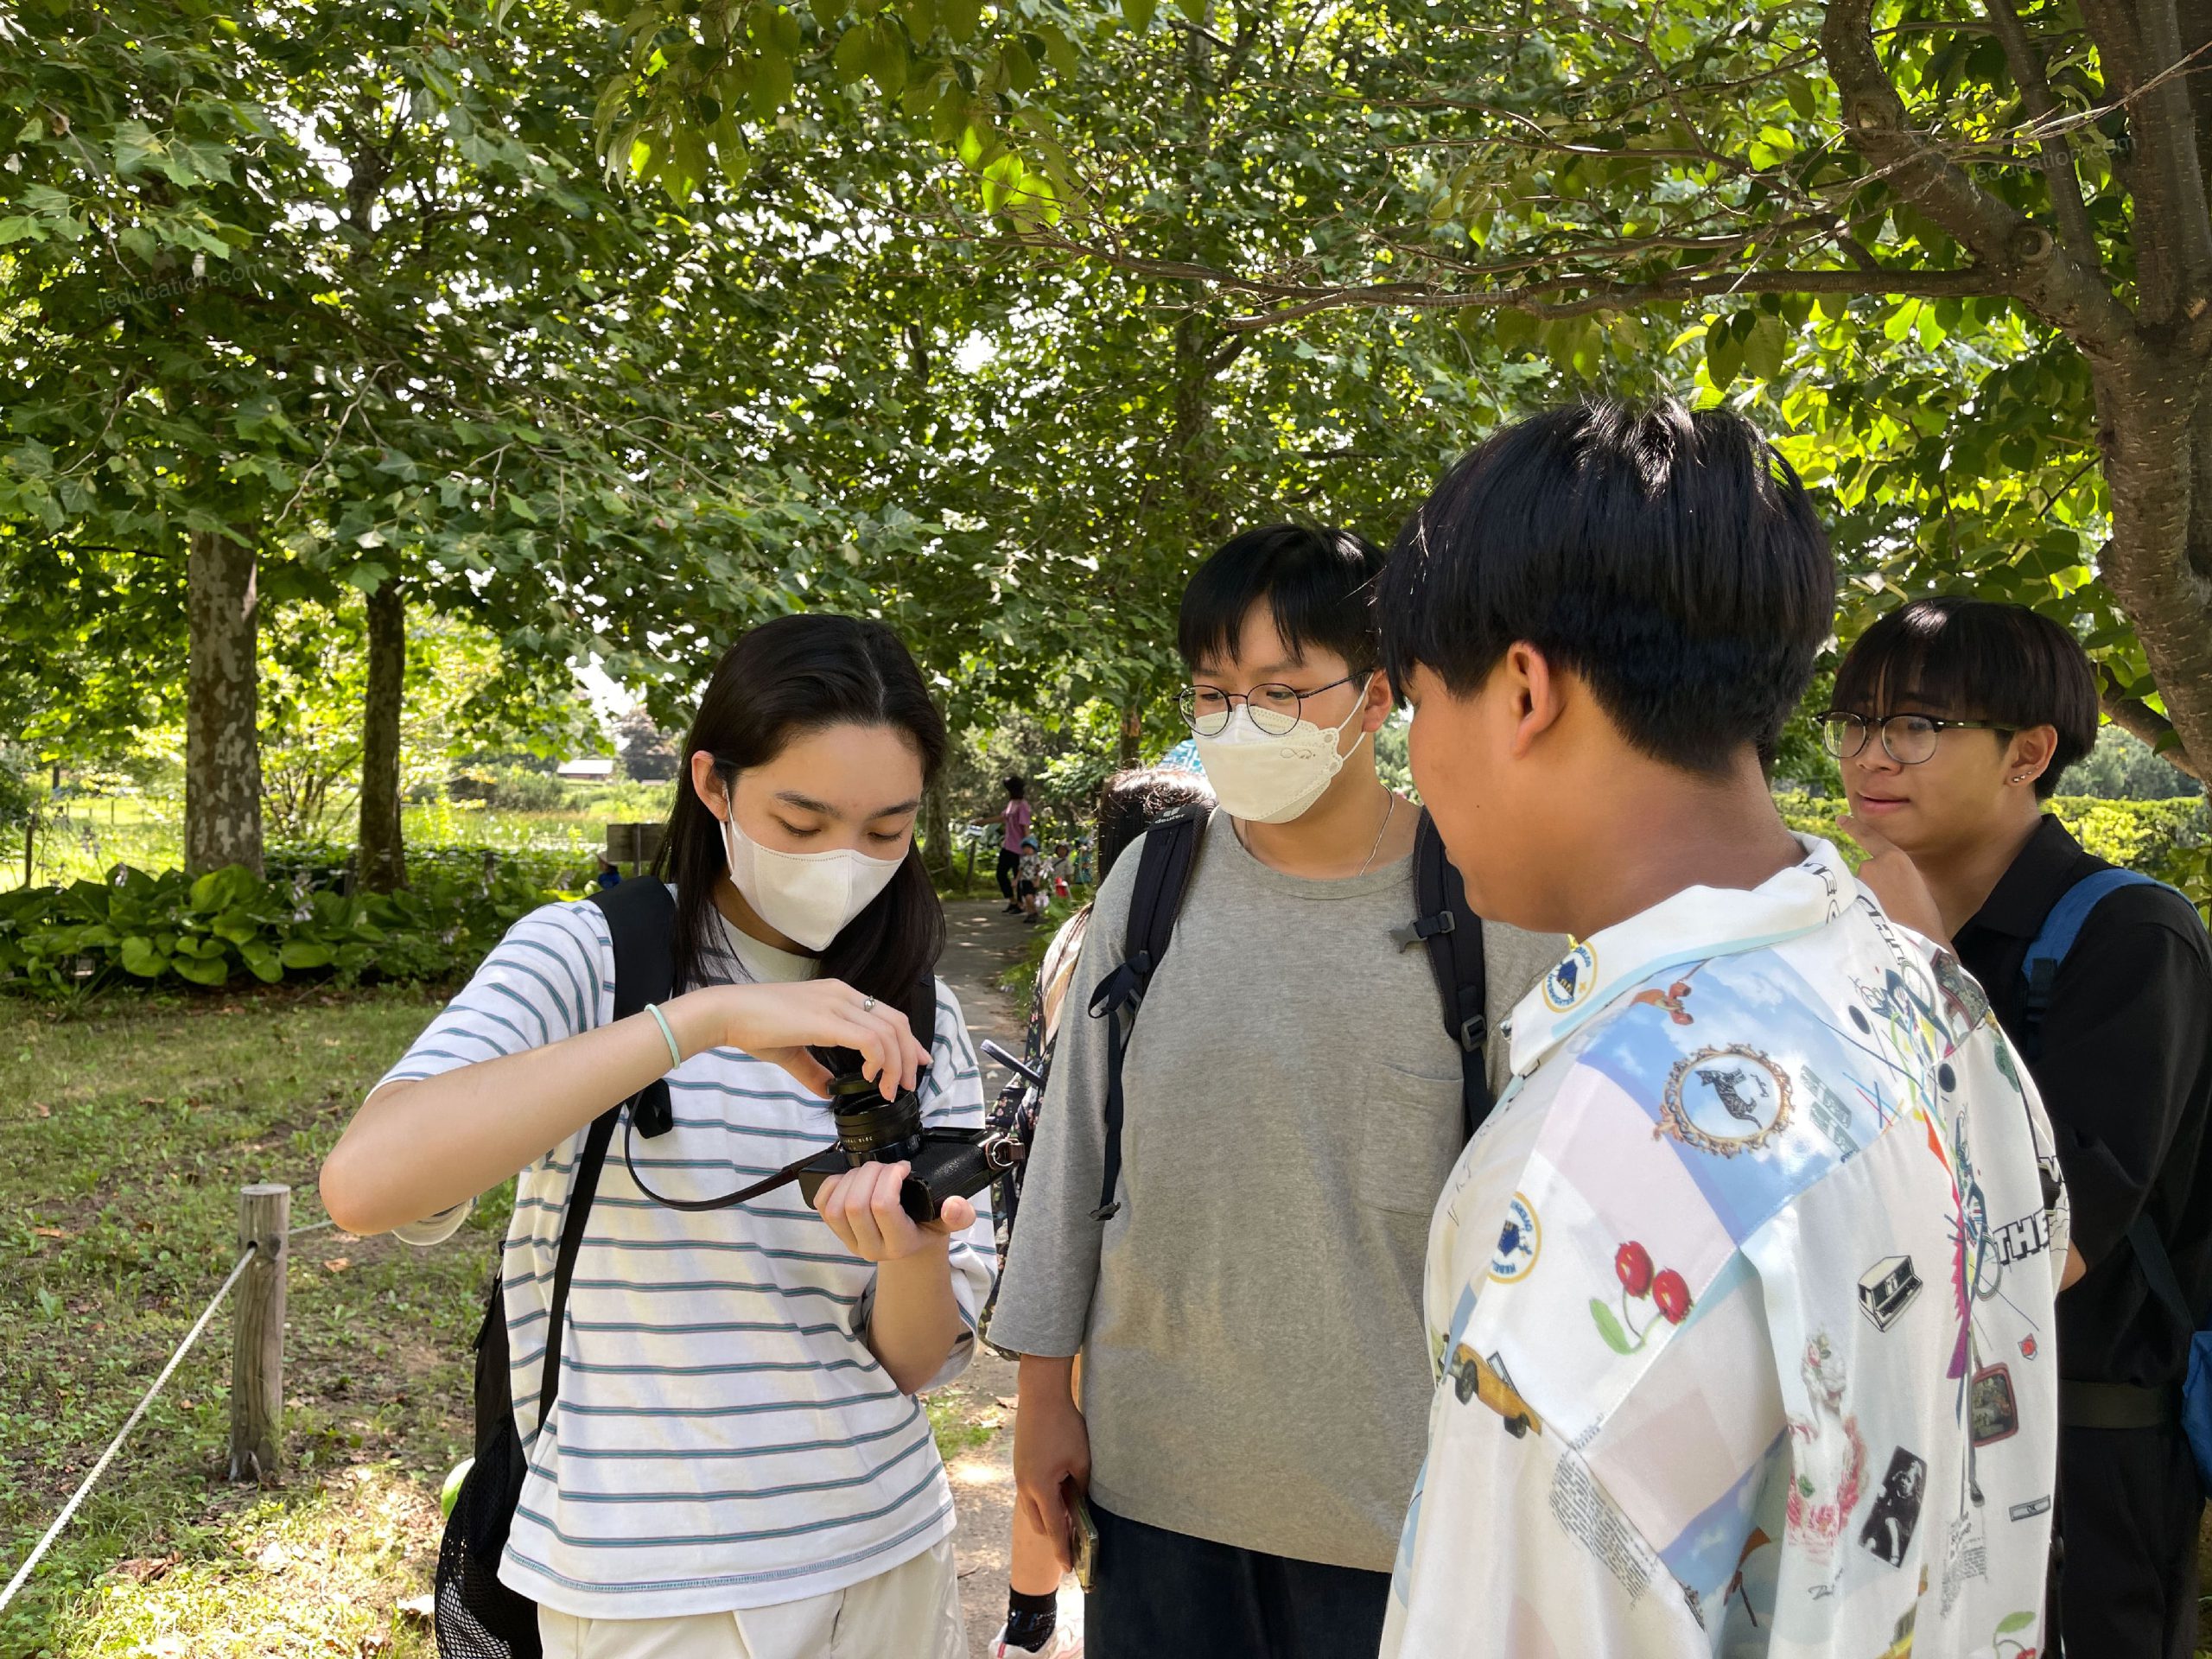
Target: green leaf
[
  {"x": 1137, "y": 14},
  {"x": 236, "y": 925},
  {"x": 2012, "y": 1622},
  {"x": 1724, "y": 357},
  {"x": 850, "y": 57},
  {"x": 221, "y": 890},
  {"x": 140, "y": 957},
  {"x": 1610, "y": 1328},
  {"x": 203, "y": 970},
  {"x": 265, "y": 964},
  {"x": 1766, "y": 346},
  {"x": 961, "y": 18},
  {"x": 305, "y": 953},
  {"x": 1513, "y": 329}
]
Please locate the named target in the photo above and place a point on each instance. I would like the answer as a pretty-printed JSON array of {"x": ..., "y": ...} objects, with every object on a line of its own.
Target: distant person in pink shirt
[{"x": 1015, "y": 823}]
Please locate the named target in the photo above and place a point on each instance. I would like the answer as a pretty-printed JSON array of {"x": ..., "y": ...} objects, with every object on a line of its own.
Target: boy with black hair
[
  {"x": 1954, "y": 720},
  {"x": 1246, "y": 1298},
  {"x": 1740, "y": 1303}
]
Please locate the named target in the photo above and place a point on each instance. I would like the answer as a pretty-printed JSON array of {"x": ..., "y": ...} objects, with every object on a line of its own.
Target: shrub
[
  {"x": 511, "y": 789},
  {"x": 136, "y": 927}
]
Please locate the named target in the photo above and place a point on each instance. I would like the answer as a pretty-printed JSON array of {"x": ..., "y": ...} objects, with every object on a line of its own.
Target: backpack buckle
[
  {"x": 1474, "y": 1032},
  {"x": 1422, "y": 929}
]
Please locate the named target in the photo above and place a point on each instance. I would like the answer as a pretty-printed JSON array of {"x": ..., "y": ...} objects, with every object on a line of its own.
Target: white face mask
[
  {"x": 807, "y": 897},
  {"x": 1265, "y": 779}
]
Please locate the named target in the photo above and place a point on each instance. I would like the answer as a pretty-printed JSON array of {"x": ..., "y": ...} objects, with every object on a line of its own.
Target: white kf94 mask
[
  {"x": 806, "y": 897},
  {"x": 1265, "y": 779}
]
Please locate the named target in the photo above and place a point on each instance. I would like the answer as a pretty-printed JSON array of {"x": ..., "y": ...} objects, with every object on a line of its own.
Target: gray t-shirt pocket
[{"x": 1406, "y": 1128}]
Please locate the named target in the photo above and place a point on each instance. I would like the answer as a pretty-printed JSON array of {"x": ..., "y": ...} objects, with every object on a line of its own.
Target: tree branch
[
  {"x": 2042, "y": 274},
  {"x": 2058, "y": 155},
  {"x": 2139, "y": 45},
  {"x": 2134, "y": 714}
]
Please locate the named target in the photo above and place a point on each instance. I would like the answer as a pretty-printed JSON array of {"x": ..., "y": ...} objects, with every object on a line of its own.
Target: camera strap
[{"x": 783, "y": 1177}]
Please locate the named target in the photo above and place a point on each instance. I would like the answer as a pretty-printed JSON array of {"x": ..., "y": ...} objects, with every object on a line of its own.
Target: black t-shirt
[{"x": 2125, "y": 1074}]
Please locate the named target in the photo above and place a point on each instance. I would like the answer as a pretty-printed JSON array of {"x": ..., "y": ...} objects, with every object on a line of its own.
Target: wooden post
[{"x": 257, "y": 1333}]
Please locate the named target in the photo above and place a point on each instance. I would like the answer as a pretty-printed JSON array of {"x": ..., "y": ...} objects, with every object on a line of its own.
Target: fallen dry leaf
[
  {"x": 42, "y": 1108},
  {"x": 51, "y": 1232},
  {"x": 1011, "y": 1403},
  {"x": 421, "y": 1607},
  {"x": 338, "y": 1263},
  {"x": 144, "y": 1569}
]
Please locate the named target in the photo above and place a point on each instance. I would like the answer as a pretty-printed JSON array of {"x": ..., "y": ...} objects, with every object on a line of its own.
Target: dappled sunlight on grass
[{"x": 319, "y": 1570}]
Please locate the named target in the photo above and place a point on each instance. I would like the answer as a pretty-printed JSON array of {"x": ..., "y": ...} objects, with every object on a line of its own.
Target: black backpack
[
  {"x": 1451, "y": 933},
  {"x": 475, "y": 1616}
]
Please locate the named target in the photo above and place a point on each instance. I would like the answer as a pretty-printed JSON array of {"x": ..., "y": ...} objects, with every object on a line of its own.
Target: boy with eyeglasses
[
  {"x": 1253, "y": 1378},
  {"x": 1954, "y": 720},
  {"x": 1741, "y": 1301}
]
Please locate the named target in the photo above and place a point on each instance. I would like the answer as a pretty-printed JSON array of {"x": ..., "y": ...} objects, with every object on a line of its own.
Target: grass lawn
[{"x": 128, "y": 1130}]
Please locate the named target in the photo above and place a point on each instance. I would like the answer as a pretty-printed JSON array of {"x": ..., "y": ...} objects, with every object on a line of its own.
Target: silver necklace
[{"x": 1388, "y": 812}]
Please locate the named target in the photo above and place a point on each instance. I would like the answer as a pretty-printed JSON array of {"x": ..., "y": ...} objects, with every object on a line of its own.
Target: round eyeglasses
[
  {"x": 1908, "y": 740},
  {"x": 1276, "y": 708}
]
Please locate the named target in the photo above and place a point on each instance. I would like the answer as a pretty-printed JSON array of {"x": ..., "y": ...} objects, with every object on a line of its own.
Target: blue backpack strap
[{"x": 2049, "y": 948}]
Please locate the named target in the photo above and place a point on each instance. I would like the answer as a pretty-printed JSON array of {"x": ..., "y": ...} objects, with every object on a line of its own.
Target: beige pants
[{"x": 910, "y": 1612}]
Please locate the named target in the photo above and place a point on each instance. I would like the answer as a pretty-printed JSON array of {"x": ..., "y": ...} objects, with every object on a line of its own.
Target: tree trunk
[
  {"x": 936, "y": 829},
  {"x": 1132, "y": 732},
  {"x": 2157, "y": 421},
  {"x": 222, "y": 751},
  {"x": 384, "y": 854}
]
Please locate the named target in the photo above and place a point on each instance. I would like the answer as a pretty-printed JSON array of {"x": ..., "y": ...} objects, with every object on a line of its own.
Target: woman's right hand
[
  {"x": 780, "y": 1023},
  {"x": 1052, "y": 1445}
]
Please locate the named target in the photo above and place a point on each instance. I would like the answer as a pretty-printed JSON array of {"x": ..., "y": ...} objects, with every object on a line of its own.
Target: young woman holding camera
[{"x": 736, "y": 1465}]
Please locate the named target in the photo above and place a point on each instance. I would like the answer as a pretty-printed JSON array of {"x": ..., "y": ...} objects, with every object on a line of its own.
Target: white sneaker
[{"x": 1063, "y": 1643}]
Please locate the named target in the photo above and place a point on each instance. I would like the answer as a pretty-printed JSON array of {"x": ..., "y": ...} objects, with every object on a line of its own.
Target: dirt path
[{"x": 980, "y": 938}]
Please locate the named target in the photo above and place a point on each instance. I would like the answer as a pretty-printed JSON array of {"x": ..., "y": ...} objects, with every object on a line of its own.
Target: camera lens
[{"x": 870, "y": 1128}]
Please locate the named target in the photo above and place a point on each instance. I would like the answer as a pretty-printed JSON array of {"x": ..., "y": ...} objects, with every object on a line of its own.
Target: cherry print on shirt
[{"x": 1666, "y": 1289}]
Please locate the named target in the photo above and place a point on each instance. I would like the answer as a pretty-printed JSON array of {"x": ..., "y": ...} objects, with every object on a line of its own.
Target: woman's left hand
[{"x": 861, "y": 1206}]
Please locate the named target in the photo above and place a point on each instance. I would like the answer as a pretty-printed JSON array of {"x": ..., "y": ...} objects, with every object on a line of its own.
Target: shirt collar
[
  {"x": 1693, "y": 924},
  {"x": 2032, "y": 883}
]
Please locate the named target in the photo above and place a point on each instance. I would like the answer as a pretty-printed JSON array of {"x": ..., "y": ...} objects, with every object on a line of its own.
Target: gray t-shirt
[{"x": 1250, "y": 1320}]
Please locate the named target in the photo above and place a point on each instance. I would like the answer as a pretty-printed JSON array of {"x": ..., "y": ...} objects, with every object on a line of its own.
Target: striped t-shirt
[{"x": 723, "y": 1438}]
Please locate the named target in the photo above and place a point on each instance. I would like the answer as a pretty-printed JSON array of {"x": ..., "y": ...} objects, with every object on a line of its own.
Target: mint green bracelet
[{"x": 675, "y": 1054}]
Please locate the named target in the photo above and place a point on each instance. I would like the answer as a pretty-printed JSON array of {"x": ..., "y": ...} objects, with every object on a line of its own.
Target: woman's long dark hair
[{"x": 786, "y": 678}]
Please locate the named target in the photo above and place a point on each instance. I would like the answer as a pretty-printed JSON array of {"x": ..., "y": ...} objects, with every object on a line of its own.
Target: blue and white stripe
[{"x": 723, "y": 1437}]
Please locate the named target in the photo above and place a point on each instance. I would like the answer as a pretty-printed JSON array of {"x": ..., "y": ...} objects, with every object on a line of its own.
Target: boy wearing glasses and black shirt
[
  {"x": 1254, "y": 1382},
  {"x": 1954, "y": 720}
]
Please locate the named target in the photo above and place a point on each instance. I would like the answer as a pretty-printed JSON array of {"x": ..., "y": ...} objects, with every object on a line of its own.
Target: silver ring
[{"x": 868, "y": 1007}]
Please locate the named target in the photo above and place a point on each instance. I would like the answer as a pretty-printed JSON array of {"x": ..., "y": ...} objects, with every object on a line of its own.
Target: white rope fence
[{"x": 247, "y": 1254}]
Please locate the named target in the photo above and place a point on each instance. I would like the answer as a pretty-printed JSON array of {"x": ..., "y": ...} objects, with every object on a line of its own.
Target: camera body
[{"x": 945, "y": 1163}]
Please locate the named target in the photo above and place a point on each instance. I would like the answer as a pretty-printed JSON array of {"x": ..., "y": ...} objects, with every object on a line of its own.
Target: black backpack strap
[
  {"x": 1454, "y": 936},
  {"x": 641, "y": 920},
  {"x": 1165, "y": 855},
  {"x": 2159, "y": 1268}
]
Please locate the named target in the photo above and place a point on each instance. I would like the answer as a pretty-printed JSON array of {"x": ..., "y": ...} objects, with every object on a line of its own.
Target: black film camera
[{"x": 947, "y": 1163}]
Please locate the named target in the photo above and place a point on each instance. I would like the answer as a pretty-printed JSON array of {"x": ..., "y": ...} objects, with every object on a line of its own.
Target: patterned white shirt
[{"x": 1741, "y": 1306}]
